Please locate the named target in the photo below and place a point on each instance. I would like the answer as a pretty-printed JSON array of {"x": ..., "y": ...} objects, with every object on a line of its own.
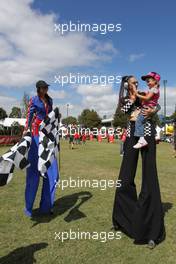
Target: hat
[
  {"x": 41, "y": 84},
  {"x": 153, "y": 75}
]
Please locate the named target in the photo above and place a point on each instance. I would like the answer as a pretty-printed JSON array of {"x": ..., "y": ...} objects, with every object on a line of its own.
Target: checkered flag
[
  {"x": 48, "y": 141},
  {"x": 15, "y": 157}
]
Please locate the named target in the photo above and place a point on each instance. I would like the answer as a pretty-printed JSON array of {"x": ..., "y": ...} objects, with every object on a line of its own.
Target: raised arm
[
  {"x": 146, "y": 97},
  {"x": 129, "y": 102}
]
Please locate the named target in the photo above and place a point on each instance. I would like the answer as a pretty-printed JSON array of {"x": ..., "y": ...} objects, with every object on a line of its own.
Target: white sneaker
[
  {"x": 157, "y": 138},
  {"x": 140, "y": 144}
]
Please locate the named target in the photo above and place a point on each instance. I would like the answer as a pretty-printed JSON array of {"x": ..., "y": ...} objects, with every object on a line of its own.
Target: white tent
[{"x": 7, "y": 122}]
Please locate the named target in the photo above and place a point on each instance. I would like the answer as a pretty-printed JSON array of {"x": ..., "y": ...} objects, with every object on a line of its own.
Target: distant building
[
  {"x": 107, "y": 122},
  {"x": 7, "y": 122}
]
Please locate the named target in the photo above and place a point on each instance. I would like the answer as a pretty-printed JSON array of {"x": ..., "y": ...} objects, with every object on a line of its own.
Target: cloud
[
  {"x": 94, "y": 90},
  {"x": 170, "y": 100},
  {"x": 98, "y": 97},
  {"x": 31, "y": 50},
  {"x": 104, "y": 104},
  {"x": 7, "y": 103},
  {"x": 104, "y": 100},
  {"x": 61, "y": 94},
  {"x": 135, "y": 57},
  {"x": 73, "y": 109},
  {"x": 6, "y": 50}
]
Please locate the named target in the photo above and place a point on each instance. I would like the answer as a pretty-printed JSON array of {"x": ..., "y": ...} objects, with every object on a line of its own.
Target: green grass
[{"x": 25, "y": 240}]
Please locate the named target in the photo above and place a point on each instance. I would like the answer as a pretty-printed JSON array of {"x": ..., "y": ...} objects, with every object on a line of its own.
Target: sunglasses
[{"x": 135, "y": 83}]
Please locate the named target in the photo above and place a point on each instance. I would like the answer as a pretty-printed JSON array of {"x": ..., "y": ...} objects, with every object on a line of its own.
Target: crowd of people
[{"x": 78, "y": 138}]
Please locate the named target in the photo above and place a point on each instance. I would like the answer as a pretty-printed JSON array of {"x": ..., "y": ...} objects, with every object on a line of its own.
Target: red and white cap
[{"x": 153, "y": 75}]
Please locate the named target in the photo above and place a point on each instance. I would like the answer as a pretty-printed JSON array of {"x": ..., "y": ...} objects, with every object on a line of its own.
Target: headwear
[
  {"x": 41, "y": 84},
  {"x": 153, "y": 75}
]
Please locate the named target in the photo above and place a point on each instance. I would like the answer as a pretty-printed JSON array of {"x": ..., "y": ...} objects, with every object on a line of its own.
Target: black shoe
[
  {"x": 151, "y": 244},
  {"x": 115, "y": 228},
  {"x": 51, "y": 212}
]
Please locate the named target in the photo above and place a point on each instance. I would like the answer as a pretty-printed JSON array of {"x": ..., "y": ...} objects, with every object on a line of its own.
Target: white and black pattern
[
  {"x": 15, "y": 157},
  {"x": 128, "y": 131},
  {"x": 147, "y": 129},
  {"x": 127, "y": 106},
  {"x": 48, "y": 141}
]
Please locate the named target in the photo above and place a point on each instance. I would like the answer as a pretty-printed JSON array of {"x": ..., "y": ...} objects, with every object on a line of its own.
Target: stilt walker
[
  {"x": 39, "y": 107},
  {"x": 141, "y": 217}
]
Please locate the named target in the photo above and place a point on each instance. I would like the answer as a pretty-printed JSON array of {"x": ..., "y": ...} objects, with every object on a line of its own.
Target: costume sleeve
[
  {"x": 154, "y": 90},
  {"x": 127, "y": 106},
  {"x": 30, "y": 113}
]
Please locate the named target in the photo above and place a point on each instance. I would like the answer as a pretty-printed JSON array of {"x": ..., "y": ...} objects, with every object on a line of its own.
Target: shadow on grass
[
  {"x": 167, "y": 207},
  {"x": 23, "y": 255},
  {"x": 70, "y": 203}
]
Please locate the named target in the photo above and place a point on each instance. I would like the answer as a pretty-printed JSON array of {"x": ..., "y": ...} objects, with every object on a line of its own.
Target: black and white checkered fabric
[
  {"x": 15, "y": 157},
  {"x": 48, "y": 141},
  {"x": 127, "y": 106},
  {"x": 147, "y": 129},
  {"x": 128, "y": 131}
]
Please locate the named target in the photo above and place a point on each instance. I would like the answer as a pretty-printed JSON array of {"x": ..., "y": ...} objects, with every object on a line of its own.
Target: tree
[
  {"x": 120, "y": 119},
  {"x": 157, "y": 121},
  {"x": 89, "y": 119},
  {"x": 25, "y": 102},
  {"x": 173, "y": 116},
  {"x": 15, "y": 129},
  {"x": 15, "y": 112},
  {"x": 69, "y": 120},
  {"x": 83, "y": 117},
  {"x": 1, "y": 130},
  {"x": 3, "y": 113}
]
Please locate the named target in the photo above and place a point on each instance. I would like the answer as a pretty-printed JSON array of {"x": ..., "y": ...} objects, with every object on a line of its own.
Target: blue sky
[
  {"x": 147, "y": 29},
  {"x": 146, "y": 43}
]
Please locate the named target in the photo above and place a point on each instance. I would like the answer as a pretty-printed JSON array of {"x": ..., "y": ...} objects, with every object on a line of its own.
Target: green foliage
[
  {"x": 25, "y": 102},
  {"x": 69, "y": 120},
  {"x": 22, "y": 237},
  {"x": 173, "y": 116},
  {"x": 16, "y": 129},
  {"x": 120, "y": 119},
  {"x": 15, "y": 112},
  {"x": 89, "y": 119},
  {"x": 3, "y": 113},
  {"x": 157, "y": 121}
]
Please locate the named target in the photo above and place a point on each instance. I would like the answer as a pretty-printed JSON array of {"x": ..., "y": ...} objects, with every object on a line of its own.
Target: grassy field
[{"x": 25, "y": 240}]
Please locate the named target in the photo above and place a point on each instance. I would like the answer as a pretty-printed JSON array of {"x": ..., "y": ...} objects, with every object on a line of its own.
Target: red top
[{"x": 37, "y": 111}]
